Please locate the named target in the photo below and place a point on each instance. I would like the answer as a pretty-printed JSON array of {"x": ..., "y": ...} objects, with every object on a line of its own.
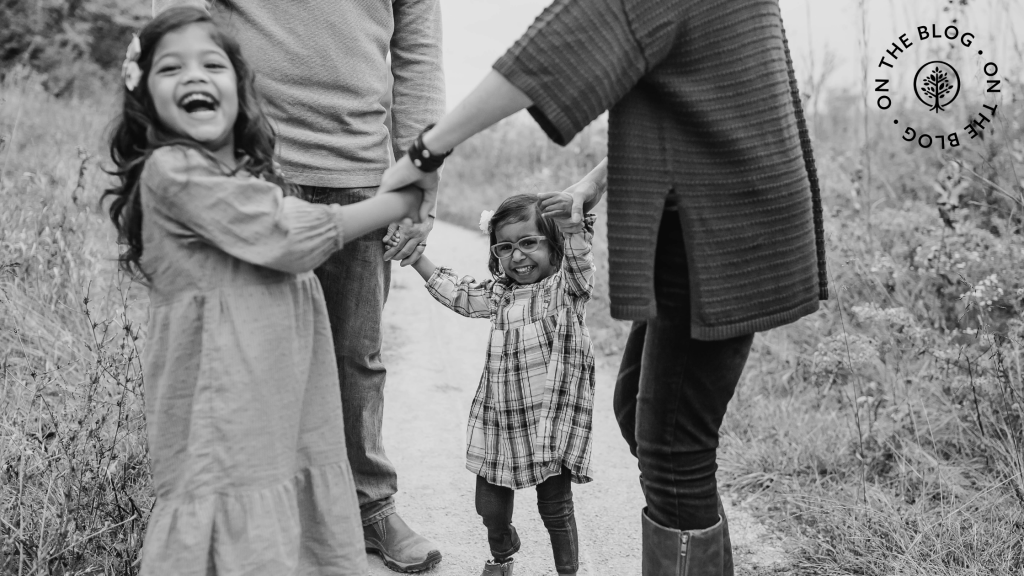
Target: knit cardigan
[{"x": 703, "y": 101}]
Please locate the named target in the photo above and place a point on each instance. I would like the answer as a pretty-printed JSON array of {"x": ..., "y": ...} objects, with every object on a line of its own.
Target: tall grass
[
  {"x": 887, "y": 428},
  {"x": 881, "y": 435},
  {"x": 75, "y": 483}
]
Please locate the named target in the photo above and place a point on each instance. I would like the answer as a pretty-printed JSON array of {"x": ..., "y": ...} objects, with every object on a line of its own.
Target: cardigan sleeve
[
  {"x": 472, "y": 300},
  {"x": 580, "y": 57},
  {"x": 246, "y": 217}
]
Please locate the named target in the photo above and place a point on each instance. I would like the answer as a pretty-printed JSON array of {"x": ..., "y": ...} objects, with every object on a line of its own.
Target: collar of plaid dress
[
  {"x": 424, "y": 159},
  {"x": 130, "y": 71}
]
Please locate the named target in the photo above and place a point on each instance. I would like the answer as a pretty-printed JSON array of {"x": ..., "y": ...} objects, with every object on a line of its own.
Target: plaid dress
[{"x": 532, "y": 413}]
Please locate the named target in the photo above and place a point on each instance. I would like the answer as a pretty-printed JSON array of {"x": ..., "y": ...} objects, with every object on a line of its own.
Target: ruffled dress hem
[{"x": 286, "y": 528}]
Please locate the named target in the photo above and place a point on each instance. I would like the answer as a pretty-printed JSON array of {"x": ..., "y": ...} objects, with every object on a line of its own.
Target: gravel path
[{"x": 434, "y": 359}]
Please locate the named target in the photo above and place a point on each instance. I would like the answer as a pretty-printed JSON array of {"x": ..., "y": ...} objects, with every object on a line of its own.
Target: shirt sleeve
[
  {"x": 578, "y": 262},
  {"x": 418, "y": 95},
  {"x": 580, "y": 57},
  {"x": 470, "y": 300},
  {"x": 246, "y": 217}
]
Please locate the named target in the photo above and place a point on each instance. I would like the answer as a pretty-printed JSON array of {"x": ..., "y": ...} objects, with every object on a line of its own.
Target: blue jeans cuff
[{"x": 377, "y": 511}]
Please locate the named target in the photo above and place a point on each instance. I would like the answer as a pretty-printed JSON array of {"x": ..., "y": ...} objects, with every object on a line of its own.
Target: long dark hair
[
  {"x": 138, "y": 131},
  {"x": 520, "y": 208}
]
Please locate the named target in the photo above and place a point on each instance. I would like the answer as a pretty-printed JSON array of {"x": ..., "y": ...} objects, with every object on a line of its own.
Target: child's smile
[
  {"x": 525, "y": 267},
  {"x": 195, "y": 89},
  {"x": 200, "y": 105}
]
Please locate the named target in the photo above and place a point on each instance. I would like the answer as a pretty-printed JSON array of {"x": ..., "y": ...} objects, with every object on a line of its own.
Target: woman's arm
[
  {"x": 493, "y": 99},
  {"x": 577, "y": 60},
  {"x": 578, "y": 199},
  {"x": 161, "y": 5}
]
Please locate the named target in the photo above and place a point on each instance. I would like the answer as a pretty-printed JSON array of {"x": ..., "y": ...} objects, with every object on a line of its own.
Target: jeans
[
  {"x": 672, "y": 393},
  {"x": 355, "y": 282},
  {"x": 554, "y": 500}
]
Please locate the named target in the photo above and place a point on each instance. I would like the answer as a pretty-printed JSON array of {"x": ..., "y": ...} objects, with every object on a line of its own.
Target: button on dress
[{"x": 243, "y": 410}]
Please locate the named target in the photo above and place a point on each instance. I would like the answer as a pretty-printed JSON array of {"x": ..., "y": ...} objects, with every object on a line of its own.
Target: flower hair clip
[
  {"x": 485, "y": 220},
  {"x": 130, "y": 71}
]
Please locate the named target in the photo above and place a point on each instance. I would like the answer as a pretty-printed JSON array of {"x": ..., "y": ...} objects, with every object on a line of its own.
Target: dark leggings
[
  {"x": 672, "y": 393},
  {"x": 554, "y": 501}
]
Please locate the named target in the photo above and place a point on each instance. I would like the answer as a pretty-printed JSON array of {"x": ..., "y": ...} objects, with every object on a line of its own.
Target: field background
[{"x": 881, "y": 435}]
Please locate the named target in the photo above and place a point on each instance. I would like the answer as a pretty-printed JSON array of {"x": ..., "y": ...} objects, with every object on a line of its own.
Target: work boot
[
  {"x": 492, "y": 568},
  {"x": 670, "y": 552},
  {"x": 401, "y": 549}
]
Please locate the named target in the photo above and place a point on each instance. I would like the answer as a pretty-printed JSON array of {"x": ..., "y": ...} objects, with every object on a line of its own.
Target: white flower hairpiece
[
  {"x": 130, "y": 71},
  {"x": 485, "y": 220}
]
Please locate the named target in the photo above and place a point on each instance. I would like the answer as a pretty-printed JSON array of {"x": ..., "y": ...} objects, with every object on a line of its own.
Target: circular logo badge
[{"x": 937, "y": 85}]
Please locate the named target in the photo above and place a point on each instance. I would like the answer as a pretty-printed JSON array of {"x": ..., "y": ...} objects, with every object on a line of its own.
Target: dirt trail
[{"x": 434, "y": 359}]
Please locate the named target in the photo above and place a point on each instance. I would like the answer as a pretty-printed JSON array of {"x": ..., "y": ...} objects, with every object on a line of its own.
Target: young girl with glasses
[{"x": 530, "y": 421}]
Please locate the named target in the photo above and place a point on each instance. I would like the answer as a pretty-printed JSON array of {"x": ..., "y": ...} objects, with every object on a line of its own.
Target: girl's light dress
[
  {"x": 532, "y": 413},
  {"x": 243, "y": 409}
]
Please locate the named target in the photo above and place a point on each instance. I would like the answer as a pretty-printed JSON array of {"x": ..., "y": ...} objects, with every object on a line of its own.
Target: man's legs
[{"x": 355, "y": 283}]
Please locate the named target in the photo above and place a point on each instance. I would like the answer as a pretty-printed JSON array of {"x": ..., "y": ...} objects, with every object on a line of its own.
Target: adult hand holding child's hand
[
  {"x": 568, "y": 206},
  {"x": 408, "y": 244},
  {"x": 564, "y": 209}
]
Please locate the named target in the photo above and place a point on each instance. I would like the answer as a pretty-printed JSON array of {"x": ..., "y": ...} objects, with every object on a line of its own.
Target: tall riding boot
[
  {"x": 727, "y": 566},
  {"x": 670, "y": 552}
]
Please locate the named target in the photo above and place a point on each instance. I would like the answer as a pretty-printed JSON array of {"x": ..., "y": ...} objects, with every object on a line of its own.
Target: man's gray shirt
[{"x": 322, "y": 71}]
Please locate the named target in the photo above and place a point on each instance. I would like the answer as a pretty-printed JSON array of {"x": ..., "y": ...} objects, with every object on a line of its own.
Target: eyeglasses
[{"x": 525, "y": 245}]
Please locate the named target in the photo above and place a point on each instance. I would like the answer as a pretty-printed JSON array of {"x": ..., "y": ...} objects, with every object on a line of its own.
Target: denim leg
[
  {"x": 627, "y": 384},
  {"x": 683, "y": 391},
  {"x": 355, "y": 282},
  {"x": 494, "y": 504},
  {"x": 554, "y": 501}
]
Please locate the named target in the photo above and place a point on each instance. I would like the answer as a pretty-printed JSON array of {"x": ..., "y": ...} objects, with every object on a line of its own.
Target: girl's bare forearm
[
  {"x": 424, "y": 267},
  {"x": 377, "y": 212}
]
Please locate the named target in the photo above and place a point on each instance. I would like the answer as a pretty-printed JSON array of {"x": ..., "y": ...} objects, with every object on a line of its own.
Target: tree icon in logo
[{"x": 937, "y": 84}]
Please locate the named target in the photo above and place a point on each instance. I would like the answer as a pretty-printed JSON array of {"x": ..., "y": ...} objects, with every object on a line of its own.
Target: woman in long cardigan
[{"x": 714, "y": 218}]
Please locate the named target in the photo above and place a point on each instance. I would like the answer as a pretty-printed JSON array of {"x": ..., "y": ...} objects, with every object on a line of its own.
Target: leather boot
[
  {"x": 727, "y": 565},
  {"x": 670, "y": 552},
  {"x": 492, "y": 568},
  {"x": 402, "y": 549}
]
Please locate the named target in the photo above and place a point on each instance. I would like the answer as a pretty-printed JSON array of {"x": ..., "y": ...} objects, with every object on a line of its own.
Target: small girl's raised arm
[{"x": 578, "y": 262}]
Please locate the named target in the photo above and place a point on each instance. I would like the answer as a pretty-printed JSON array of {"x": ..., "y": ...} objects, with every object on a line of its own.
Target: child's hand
[
  {"x": 393, "y": 236},
  {"x": 395, "y": 239}
]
